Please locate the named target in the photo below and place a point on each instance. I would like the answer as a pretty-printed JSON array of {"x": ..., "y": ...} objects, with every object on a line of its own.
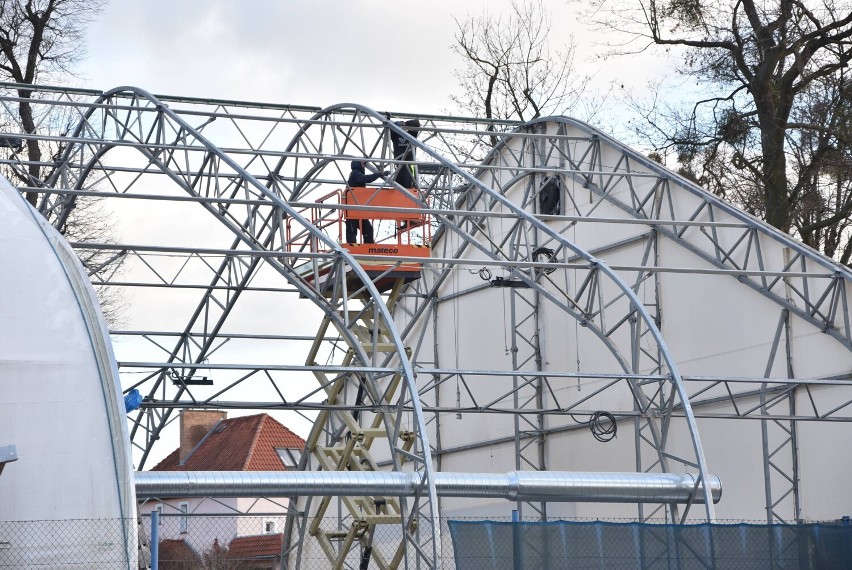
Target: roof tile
[
  {"x": 176, "y": 550},
  {"x": 245, "y": 443},
  {"x": 258, "y": 546}
]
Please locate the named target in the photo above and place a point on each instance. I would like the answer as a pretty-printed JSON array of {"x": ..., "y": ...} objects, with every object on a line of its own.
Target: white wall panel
[{"x": 60, "y": 401}]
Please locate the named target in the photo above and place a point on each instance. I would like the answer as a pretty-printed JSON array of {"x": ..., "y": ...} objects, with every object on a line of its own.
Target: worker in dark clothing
[
  {"x": 358, "y": 178},
  {"x": 406, "y": 175}
]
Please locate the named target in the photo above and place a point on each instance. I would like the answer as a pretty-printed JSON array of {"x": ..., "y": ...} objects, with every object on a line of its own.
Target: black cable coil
[
  {"x": 544, "y": 255},
  {"x": 603, "y": 426}
]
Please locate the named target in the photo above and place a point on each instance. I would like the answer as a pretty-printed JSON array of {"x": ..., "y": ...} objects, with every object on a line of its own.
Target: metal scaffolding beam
[{"x": 214, "y": 199}]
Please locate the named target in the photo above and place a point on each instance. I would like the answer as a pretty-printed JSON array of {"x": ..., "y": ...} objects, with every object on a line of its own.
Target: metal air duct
[{"x": 547, "y": 486}]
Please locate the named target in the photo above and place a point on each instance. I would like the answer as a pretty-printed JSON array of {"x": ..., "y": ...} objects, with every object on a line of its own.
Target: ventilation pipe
[{"x": 544, "y": 486}]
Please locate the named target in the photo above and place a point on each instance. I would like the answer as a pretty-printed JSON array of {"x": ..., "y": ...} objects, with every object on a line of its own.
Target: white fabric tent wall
[
  {"x": 60, "y": 404},
  {"x": 713, "y": 325}
]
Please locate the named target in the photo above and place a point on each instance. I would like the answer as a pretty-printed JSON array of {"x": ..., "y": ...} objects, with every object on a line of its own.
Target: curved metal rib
[
  {"x": 594, "y": 263},
  {"x": 262, "y": 239}
]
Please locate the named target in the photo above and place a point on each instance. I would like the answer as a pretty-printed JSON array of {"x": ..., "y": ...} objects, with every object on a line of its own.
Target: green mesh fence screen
[{"x": 579, "y": 545}]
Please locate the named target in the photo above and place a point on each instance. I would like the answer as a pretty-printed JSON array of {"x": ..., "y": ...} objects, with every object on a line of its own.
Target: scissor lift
[
  {"x": 342, "y": 440},
  {"x": 402, "y": 234}
]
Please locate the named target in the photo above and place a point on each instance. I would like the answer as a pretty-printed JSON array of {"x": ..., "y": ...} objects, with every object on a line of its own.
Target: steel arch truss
[
  {"x": 260, "y": 221},
  {"x": 601, "y": 294},
  {"x": 490, "y": 230},
  {"x": 263, "y": 174},
  {"x": 802, "y": 285}
]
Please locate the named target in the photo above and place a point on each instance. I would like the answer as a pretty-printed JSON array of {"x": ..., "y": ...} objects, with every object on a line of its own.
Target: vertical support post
[
  {"x": 516, "y": 403},
  {"x": 517, "y": 558},
  {"x": 779, "y": 437},
  {"x": 648, "y": 460},
  {"x": 528, "y": 387},
  {"x": 155, "y": 539},
  {"x": 439, "y": 456}
]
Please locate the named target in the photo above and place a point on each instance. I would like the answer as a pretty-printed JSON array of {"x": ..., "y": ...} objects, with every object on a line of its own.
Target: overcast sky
[
  {"x": 386, "y": 54},
  {"x": 391, "y": 55}
]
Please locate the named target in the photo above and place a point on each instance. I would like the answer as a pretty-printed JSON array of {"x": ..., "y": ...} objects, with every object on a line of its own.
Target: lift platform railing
[
  {"x": 326, "y": 215},
  {"x": 402, "y": 203},
  {"x": 330, "y": 212}
]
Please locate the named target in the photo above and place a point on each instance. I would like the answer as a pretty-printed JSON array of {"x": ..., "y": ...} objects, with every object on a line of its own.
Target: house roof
[
  {"x": 176, "y": 550},
  {"x": 258, "y": 546},
  {"x": 245, "y": 443}
]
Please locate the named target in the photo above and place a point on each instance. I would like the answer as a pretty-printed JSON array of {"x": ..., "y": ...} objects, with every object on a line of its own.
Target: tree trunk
[
  {"x": 772, "y": 112},
  {"x": 775, "y": 180},
  {"x": 33, "y": 150}
]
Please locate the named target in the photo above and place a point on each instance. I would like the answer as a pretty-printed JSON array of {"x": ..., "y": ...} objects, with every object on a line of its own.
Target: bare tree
[
  {"x": 769, "y": 119},
  {"x": 510, "y": 71},
  {"x": 40, "y": 40},
  {"x": 822, "y": 165}
]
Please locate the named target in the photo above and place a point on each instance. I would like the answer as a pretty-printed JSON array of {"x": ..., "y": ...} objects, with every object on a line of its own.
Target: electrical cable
[
  {"x": 544, "y": 255},
  {"x": 602, "y": 425}
]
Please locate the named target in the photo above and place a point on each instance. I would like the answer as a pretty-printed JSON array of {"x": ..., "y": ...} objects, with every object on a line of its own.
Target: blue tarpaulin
[{"x": 132, "y": 400}]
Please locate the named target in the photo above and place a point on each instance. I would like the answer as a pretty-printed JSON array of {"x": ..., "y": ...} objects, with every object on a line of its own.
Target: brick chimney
[{"x": 194, "y": 425}]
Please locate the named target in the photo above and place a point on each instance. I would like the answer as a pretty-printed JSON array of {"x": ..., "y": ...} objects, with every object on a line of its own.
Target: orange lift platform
[{"x": 398, "y": 233}]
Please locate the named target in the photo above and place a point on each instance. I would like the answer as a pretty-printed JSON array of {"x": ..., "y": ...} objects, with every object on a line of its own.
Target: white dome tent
[{"x": 61, "y": 406}]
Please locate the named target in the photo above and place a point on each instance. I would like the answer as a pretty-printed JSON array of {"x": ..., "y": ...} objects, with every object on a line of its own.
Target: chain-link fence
[
  {"x": 96, "y": 544},
  {"x": 234, "y": 542}
]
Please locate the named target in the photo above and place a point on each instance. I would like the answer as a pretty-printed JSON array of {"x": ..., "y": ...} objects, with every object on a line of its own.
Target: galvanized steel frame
[{"x": 805, "y": 286}]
